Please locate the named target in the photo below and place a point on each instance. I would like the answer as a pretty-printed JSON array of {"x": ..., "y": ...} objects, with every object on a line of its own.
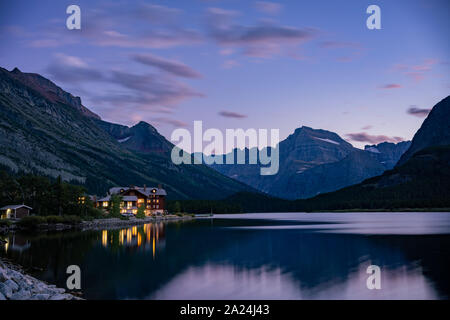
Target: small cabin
[{"x": 15, "y": 211}]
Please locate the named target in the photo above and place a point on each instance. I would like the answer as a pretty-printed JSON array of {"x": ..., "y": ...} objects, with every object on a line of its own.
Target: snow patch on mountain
[
  {"x": 124, "y": 140},
  {"x": 327, "y": 140},
  {"x": 373, "y": 149}
]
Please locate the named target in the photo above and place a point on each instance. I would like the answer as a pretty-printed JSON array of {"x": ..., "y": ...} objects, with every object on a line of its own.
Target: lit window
[{"x": 105, "y": 204}]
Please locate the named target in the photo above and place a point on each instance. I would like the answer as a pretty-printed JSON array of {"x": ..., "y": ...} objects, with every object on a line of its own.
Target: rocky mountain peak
[
  {"x": 50, "y": 91},
  {"x": 142, "y": 125},
  {"x": 435, "y": 130}
]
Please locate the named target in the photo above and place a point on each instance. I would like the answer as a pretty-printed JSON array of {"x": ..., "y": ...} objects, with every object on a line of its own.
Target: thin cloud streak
[
  {"x": 418, "y": 112},
  {"x": 263, "y": 40},
  {"x": 391, "y": 86},
  {"x": 174, "y": 67},
  {"x": 373, "y": 139},
  {"x": 416, "y": 72},
  {"x": 230, "y": 114}
]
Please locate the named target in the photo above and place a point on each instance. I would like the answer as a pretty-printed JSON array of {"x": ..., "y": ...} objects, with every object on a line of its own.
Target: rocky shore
[
  {"x": 15, "y": 284},
  {"x": 96, "y": 224},
  {"x": 118, "y": 223}
]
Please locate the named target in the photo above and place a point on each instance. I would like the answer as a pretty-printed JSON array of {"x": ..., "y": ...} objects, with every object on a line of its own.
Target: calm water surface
[{"x": 253, "y": 256}]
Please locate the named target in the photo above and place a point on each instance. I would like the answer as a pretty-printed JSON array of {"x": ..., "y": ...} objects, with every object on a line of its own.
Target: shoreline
[
  {"x": 113, "y": 223},
  {"x": 95, "y": 224},
  {"x": 16, "y": 284}
]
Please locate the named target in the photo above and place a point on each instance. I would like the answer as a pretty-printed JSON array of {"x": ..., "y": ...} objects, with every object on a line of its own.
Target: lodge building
[{"x": 154, "y": 200}]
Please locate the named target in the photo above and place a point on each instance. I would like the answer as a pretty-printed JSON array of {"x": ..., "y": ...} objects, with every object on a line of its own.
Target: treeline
[
  {"x": 423, "y": 182},
  {"x": 47, "y": 197},
  {"x": 203, "y": 207}
]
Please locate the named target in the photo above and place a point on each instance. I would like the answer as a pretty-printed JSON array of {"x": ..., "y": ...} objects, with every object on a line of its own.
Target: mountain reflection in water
[{"x": 261, "y": 256}]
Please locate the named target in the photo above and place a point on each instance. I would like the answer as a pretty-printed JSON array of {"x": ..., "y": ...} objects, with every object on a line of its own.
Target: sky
[{"x": 241, "y": 63}]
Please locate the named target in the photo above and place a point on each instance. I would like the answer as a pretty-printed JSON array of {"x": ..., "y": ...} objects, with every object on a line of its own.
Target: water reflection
[
  {"x": 214, "y": 282},
  {"x": 147, "y": 237},
  {"x": 252, "y": 257},
  {"x": 16, "y": 242}
]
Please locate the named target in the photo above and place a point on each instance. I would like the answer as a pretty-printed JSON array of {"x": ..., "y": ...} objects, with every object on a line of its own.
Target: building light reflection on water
[
  {"x": 105, "y": 238},
  {"x": 148, "y": 237},
  {"x": 16, "y": 242}
]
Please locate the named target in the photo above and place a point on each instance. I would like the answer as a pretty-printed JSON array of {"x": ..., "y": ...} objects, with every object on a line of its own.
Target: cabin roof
[
  {"x": 130, "y": 198},
  {"x": 146, "y": 191},
  {"x": 16, "y": 206},
  {"x": 107, "y": 198}
]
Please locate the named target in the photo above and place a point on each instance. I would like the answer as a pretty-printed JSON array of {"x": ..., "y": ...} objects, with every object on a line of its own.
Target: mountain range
[
  {"x": 420, "y": 182},
  {"x": 314, "y": 161},
  {"x": 421, "y": 178},
  {"x": 45, "y": 130}
]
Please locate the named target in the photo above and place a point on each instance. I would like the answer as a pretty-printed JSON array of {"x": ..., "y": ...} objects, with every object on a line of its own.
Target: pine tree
[
  {"x": 141, "y": 212},
  {"x": 115, "y": 206}
]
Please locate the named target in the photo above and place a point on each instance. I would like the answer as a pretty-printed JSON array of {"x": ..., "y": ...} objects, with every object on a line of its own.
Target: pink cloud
[
  {"x": 391, "y": 86},
  {"x": 416, "y": 72}
]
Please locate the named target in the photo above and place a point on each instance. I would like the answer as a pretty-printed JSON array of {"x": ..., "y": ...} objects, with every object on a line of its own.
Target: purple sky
[{"x": 241, "y": 63}]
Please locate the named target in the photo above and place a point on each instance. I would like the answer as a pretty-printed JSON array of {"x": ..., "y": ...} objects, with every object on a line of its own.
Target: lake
[{"x": 251, "y": 256}]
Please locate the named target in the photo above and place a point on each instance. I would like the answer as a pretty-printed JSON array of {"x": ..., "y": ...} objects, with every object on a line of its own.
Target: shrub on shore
[
  {"x": 63, "y": 219},
  {"x": 71, "y": 220},
  {"x": 31, "y": 222},
  {"x": 5, "y": 223}
]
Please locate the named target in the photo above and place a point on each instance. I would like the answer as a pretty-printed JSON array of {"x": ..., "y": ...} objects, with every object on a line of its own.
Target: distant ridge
[{"x": 315, "y": 161}]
